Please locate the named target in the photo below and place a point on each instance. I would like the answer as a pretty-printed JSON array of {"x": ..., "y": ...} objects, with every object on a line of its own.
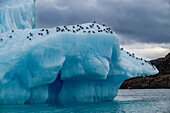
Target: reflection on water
[{"x": 129, "y": 101}]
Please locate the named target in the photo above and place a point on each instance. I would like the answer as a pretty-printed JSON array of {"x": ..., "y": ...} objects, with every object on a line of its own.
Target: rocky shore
[{"x": 160, "y": 80}]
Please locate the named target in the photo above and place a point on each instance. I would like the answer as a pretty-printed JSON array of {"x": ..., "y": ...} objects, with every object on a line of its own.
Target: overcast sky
[{"x": 142, "y": 26}]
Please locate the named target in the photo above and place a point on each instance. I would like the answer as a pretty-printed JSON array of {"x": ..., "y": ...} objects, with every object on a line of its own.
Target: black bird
[
  {"x": 94, "y": 22},
  {"x": 29, "y": 38},
  {"x": 12, "y": 30},
  {"x": 10, "y": 36},
  {"x": 73, "y": 26},
  {"x": 31, "y": 34},
  {"x": 42, "y": 29},
  {"x": 62, "y": 30},
  {"x": 87, "y": 28},
  {"x": 121, "y": 49},
  {"x": 68, "y": 30},
  {"x": 108, "y": 29},
  {"x": 111, "y": 32},
  {"x": 1, "y": 39},
  {"x": 89, "y": 31},
  {"x": 84, "y": 31},
  {"x": 93, "y": 31},
  {"x": 74, "y": 31},
  {"x": 78, "y": 25},
  {"x": 104, "y": 24},
  {"x": 142, "y": 63},
  {"x": 57, "y": 30},
  {"x": 48, "y": 32},
  {"x": 41, "y": 34}
]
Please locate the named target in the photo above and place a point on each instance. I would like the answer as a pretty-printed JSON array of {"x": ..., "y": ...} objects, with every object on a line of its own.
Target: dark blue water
[{"x": 127, "y": 101}]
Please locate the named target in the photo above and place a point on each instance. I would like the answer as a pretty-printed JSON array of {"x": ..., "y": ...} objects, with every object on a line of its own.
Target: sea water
[{"x": 127, "y": 101}]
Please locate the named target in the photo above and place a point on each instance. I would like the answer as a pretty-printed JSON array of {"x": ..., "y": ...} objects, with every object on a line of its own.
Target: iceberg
[
  {"x": 76, "y": 63},
  {"x": 17, "y": 14},
  {"x": 65, "y": 64}
]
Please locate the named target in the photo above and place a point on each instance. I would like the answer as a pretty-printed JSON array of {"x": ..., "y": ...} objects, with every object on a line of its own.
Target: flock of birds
[
  {"x": 86, "y": 29},
  {"x": 133, "y": 55},
  {"x": 73, "y": 29}
]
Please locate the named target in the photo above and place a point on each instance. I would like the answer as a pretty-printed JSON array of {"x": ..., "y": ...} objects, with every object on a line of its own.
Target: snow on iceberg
[
  {"x": 79, "y": 63},
  {"x": 17, "y": 14}
]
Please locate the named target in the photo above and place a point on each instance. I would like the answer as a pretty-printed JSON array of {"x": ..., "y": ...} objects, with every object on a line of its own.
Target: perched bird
[
  {"x": 48, "y": 32},
  {"x": 62, "y": 30},
  {"x": 31, "y": 34}
]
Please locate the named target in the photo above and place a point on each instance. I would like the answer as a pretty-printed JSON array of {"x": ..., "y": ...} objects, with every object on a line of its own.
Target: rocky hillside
[{"x": 160, "y": 80}]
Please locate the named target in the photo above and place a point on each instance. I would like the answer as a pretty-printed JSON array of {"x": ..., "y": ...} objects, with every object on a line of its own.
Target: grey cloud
[{"x": 139, "y": 20}]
